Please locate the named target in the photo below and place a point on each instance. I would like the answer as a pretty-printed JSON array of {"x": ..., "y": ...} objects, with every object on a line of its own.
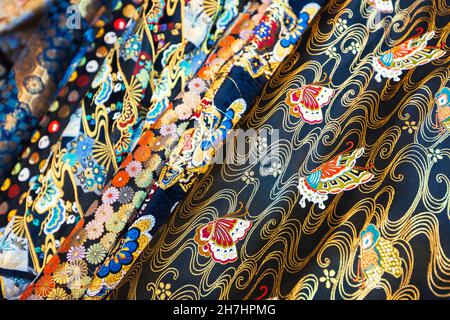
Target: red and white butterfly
[
  {"x": 218, "y": 239},
  {"x": 307, "y": 102}
]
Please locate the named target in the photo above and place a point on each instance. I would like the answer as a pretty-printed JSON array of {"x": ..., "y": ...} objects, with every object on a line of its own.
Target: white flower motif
[
  {"x": 197, "y": 85},
  {"x": 183, "y": 111},
  {"x": 261, "y": 144},
  {"x": 169, "y": 130},
  {"x": 111, "y": 195},
  {"x": 191, "y": 99}
]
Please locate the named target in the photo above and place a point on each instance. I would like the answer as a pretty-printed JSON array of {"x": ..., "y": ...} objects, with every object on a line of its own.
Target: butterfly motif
[
  {"x": 384, "y": 6},
  {"x": 218, "y": 238},
  {"x": 443, "y": 109},
  {"x": 333, "y": 177},
  {"x": 405, "y": 56},
  {"x": 378, "y": 255},
  {"x": 307, "y": 102}
]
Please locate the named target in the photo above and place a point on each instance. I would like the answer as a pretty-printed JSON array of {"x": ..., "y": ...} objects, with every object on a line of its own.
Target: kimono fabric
[
  {"x": 14, "y": 13},
  {"x": 351, "y": 202},
  {"x": 75, "y": 128},
  {"x": 220, "y": 112},
  {"x": 78, "y": 75},
  {"x": 18, "y": 21}
]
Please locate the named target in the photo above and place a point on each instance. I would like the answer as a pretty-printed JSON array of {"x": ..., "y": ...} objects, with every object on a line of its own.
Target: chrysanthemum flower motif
[
  {"x": 95, "y": 254},
  {"x": 183, "y": 111},
  {"x": 434, "y": 155},
  {"x": 115, "y": 224},
  {"x": 108, "y": 240},
  {"x": 126, "y": 194},
  {"x": 341, "y": 25},
  {"x": 197, "y": 85},
  {"x": 328, "y": 278},
  {"x": 191, "y": 99},
  {"x": 61, "y": 274},
  {"x": 110, "y": 195},
  {"x": 94, "y": 229},
  {"x": 58, "y": 294},
  {"x": 168, "y": 130},
  {"x": 44, "y": 285},
  {"x": 410, "y": 126},
  {"x": 163, "y": 291},
  {"x": 76, "y": 270},
  {"x": 103, "y": 213}
]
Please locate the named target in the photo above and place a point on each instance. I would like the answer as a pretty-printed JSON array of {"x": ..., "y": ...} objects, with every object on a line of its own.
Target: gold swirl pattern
[{"x": 387, "y": 238}]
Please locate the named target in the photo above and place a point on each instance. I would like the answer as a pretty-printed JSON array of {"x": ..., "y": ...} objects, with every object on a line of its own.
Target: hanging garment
[
  {"x": 29, "y": 87},
  {"x": 351, "y": 202},
  {"x": 78, "y": 77},
  {"x": 155, "y": 50}
]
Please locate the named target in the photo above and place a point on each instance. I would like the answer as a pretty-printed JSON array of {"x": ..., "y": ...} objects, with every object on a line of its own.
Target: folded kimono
[
  {"x": 29, "y": 87},
  {"x": 342, "y": 189}
]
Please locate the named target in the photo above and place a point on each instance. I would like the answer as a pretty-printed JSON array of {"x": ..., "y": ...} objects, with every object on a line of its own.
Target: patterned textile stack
[{"x": 224, "y": 149}]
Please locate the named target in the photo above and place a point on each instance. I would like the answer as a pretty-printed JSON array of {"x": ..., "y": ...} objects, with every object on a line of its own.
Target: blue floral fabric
[{"x": 30, "y": 85}]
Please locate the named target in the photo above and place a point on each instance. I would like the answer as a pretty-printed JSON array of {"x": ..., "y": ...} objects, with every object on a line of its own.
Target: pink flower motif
[
  {"x": 197, "y": 85},
  {"x": 94, "y": 230},
  {"x": 76, "y": 253},
  {"x": 103, "y": 213},
  {"x": 134, "y": 168},
  {"x": 110, "y": 195},
  {"x": 168, "y": 129}
]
